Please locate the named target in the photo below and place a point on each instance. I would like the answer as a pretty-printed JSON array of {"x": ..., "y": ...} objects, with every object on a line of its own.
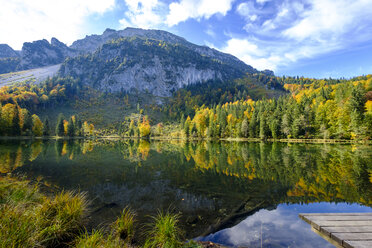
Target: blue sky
[{"x": 314, "y": 38}]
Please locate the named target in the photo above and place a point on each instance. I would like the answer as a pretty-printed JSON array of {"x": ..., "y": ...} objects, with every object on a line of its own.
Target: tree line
[
  {"x": 17, "y": 121},
  {"x": 312, "y": 110}
]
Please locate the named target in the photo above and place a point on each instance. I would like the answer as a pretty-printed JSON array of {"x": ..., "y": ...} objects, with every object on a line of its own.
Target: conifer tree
[
  {"x": 16, "y": 126},
  {"x": 60, "y": 130},
  {"x": 186, "y": 126},
  {"x": 27, "y": 123},
  {"x": 71, "y": 128},
  {"x": 46, "y": 131},
  {"x": 244, "y": 128}
]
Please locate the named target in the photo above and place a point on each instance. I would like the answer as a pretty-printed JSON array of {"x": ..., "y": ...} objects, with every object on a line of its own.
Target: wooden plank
[
  {"x": 342, "y": 229},
  {"x": 340, "y": 237},
  {"x": 339, "y": 217},
  {"x": 349, "y": 229},
  {"x": 344, "y": 223},
  {"x": 357, "y": 244},
  {"x": 336, "y": 214},
  {"x": 329, "y": 239}
]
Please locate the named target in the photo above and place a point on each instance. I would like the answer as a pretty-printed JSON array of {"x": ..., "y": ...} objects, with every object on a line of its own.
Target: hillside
[{"x": 147, "y": 65}]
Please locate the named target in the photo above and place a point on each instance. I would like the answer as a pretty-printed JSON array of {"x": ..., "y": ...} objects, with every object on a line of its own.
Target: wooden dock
[{"x": 350, "y": 230}]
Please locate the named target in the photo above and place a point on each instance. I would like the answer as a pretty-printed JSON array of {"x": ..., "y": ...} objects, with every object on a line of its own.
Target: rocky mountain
[
  {"x": 7, "y": 52},
  {"x": 150, "y": 65},
  {"x": 91, "y": 43},
  {"x": 42, "y": 53},
  {"x": 132, "y": 59}
]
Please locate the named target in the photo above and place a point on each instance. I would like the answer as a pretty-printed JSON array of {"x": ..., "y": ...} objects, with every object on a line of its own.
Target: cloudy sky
[{"x": 317, "y": 38}]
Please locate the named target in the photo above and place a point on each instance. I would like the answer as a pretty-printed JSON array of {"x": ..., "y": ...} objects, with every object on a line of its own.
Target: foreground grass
[{"x": 30, "y": 219}]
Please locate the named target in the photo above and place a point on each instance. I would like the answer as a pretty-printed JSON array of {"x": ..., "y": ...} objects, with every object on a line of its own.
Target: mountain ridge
[{"x": 132, "y": 59}]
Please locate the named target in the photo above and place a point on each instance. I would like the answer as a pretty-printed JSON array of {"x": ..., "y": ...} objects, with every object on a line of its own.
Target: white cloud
[
  {"x": 251, "y": 54},
  {"x": 210, "y": 32},
  {"x": 294, "y": 30},
  {"x": 328, "y": 19},
  {"x": 24, "y": 20},
  {"x": 197, "y": 9},
  {"x": 270, "y": 228},
  {"x": 144, "y": 13}
]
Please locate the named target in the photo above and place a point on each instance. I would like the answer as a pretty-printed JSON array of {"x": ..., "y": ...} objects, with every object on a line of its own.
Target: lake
[{"x": 233, "y": 193}]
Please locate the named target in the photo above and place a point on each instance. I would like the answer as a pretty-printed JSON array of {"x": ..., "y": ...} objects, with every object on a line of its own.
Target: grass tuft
[
  {"x": 164, "y": 232},
  {"x": 97, "y": 239},
  {"x": 29, "y": 219},
  {"x": 61, "y": 217},
  {"x": 17, "y": 227},
  {"x": 124, "y": 225}
]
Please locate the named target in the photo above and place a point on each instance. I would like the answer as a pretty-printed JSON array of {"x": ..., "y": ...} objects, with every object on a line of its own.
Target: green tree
[
  {"x": 186, "y": 126},
  {"x": 245, "y": 128},
  {"x": 27, "y": 123},
  {"x": 131, "y": 128},
  {"x": 46, "y": 131},
  {"x": 16, "y": 125},
  {"x": 71, "y": 128},
  {"x": 60, "y": 130}
]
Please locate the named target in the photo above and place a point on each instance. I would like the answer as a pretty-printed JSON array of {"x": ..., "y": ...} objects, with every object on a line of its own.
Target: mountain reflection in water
[{"x": 214, "y": 185}]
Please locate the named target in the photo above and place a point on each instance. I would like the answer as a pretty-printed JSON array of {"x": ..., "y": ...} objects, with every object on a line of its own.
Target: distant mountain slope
[
  {"x": 149, "y": 65},
  {"x": 92, "y": 42},
  {"x": 29, "y": 76},
  {"x": 35, "y": 54},
  {"x": 133, "y": 59},
  {"x": 7, "y": 52},
  {"x": 42, "y": 53}
]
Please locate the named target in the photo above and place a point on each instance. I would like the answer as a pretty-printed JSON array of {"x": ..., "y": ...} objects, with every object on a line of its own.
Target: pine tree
[
  {"x": 245, "y": 128},
  {"x": 79, "y": 128},
  {"x": 27, "y": 123},
  {"x": 263, "y": 126},
  {"x": 16, "y": 126},
  {"x": 253, "y": 125},
  {"x": 60, "y": 130},
  {"x": 186, "y": 126},
  {"x": 1, "y": 122},
  {"x": 194, "y": 130},
  {"x": 182, "y": 121},
  {"x": 71, "y": 128},
  {"x": 131, "y": 128},
  {"x": 46, "y": 131}
]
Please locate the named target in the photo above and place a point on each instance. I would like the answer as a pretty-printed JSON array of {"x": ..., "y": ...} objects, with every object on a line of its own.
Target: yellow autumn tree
[
  {"x": 144, "y": 128},
  {"x": 37, "y": 126}
]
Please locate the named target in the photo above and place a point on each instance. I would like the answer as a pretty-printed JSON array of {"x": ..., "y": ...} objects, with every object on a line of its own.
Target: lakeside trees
[
  {"x": 311, "y": 111},
  {"x": 295, "y": 108},
  {"x": 16, "y": 121}
]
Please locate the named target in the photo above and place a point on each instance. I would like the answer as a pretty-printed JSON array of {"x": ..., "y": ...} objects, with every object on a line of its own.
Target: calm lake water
[{"x": 233, "y": 193}]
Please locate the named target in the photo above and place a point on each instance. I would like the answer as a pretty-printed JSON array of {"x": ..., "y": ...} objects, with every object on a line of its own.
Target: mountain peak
[{"x": 7, "y": 52}]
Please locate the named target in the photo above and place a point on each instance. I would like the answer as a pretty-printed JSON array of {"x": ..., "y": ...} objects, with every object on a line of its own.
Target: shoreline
[{"x": 168, "y": 138}]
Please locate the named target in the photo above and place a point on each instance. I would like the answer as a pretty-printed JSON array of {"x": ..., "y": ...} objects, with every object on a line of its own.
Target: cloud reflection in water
[{"x": 280, "y": 227}]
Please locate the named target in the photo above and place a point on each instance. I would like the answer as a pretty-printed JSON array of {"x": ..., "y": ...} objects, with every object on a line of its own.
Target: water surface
[{"x": 234, "y": 193}]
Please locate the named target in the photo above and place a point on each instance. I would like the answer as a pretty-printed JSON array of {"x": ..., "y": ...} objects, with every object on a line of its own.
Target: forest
[
  {"x": 317, "y": 109},
  {"x": 257, "y": 106}
]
